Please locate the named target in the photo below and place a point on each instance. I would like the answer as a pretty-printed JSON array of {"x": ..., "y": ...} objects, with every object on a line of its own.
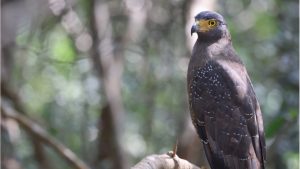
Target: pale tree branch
[
  {"x": 40, "y": 134},
  {"x": 164, "y": 161}
]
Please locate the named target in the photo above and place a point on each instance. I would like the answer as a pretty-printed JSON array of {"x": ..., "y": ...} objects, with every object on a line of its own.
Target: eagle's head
[{"x": 210, "y": 26}]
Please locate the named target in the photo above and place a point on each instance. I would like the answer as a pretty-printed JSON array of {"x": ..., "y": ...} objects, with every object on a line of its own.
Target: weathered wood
[{"x": 164, "y": 161}]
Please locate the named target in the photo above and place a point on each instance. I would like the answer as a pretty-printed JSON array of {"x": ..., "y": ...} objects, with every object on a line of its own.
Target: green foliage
[
  {"x": 61, "y": 49},
  {"x": 266, "y": 26},
  {"x": 292, "y": 160},
  {"x": 274, "y": 126}
]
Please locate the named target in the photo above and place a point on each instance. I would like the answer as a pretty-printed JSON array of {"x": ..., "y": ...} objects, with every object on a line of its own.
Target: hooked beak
[{"x": 194, "y": 29}]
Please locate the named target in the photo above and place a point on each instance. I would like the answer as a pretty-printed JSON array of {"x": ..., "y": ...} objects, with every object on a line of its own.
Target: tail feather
[{"x": 230, "y": 162}]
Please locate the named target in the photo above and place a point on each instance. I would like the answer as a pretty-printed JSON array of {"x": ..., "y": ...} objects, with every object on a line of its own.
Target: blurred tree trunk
[
  {"x": 39, "y": 154},
  {"x": 107, "y": 57},
  {"x": 8, "y": 156},
  {"x": 108, "y": 141}
]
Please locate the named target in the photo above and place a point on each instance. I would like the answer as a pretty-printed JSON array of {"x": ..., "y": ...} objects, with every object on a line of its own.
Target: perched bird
[{"x": 223, "y": 105}]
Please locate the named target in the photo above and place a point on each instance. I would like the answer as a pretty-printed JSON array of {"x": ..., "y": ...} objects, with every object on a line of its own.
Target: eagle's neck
[
  {"x": 205, "y": 51},
  {"x": 214, "y": 47}
]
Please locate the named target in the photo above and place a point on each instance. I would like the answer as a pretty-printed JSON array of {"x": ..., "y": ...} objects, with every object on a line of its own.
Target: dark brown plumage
[{"x": 223, "y": 105}]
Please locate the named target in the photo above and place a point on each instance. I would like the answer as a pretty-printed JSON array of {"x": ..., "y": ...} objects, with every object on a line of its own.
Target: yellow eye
[{"x": 212, "y": 22}]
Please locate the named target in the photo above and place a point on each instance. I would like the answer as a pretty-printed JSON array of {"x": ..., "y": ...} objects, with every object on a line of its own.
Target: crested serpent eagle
[{"x": 223, "y": 105}]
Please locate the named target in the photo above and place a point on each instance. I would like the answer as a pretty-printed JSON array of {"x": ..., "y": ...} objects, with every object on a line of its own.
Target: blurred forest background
[{"x": 102, "y": 84}]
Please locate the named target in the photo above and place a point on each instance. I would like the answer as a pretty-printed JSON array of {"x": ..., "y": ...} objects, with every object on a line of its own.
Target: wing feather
[{"x": 226, "y": 115}]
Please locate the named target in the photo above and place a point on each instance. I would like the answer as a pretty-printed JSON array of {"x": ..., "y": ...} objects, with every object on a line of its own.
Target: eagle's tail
[{"x": 217, "y": 161}]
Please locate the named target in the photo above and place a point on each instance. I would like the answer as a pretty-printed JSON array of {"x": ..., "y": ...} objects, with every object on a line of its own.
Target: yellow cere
[{"x": 206, "y": 25}]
